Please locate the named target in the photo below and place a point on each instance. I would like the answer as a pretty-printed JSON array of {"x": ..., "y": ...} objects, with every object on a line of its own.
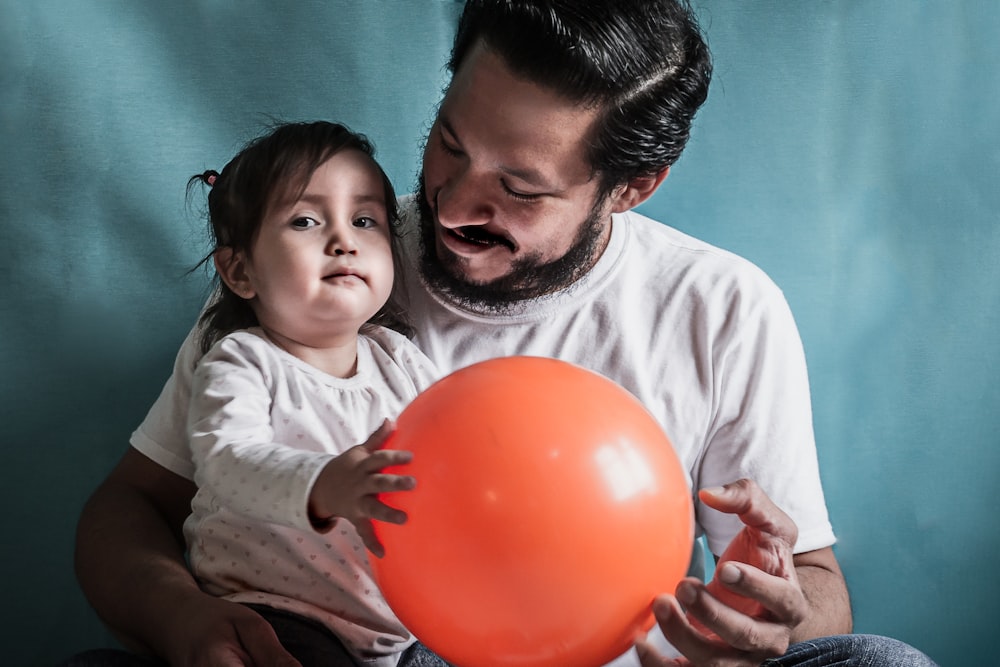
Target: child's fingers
[
  {"x": 381, "y": 434},
  {"x": 384, "y": 458},
  {"x": 379, "y": 511},
  {"x": 367, "y": 534},
  {"x": 382, "y": 483}
]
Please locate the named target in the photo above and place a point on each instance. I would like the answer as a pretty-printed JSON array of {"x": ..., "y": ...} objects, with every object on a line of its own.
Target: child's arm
[
  {"x": 238, "y": 461},
  {"x": 233, "y": 443},
  {"x": 348, "y": 487}
]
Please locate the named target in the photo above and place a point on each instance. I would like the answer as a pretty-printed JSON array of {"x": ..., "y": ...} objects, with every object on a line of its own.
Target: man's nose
[{"x": 461, "y": 201}]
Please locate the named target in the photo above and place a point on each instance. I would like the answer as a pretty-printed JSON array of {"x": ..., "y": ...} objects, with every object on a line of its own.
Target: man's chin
[
  {"x": 462, "y": 279},
  {"x": 474, "y": 269},
  {"x": 505, "y": 281}
]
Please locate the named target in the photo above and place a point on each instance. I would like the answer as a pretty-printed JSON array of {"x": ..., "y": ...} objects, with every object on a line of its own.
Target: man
[{"x": 560, "y": 118}]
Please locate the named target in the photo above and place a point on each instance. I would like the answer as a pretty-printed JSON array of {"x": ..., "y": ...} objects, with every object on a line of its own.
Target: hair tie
[{"x": 210, "y": 177}]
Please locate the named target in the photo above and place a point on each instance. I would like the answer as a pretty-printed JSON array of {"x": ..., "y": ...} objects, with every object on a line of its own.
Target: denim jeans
[
  {"x": 313, "y": 645},
  {"x": 851, "y": 651}
]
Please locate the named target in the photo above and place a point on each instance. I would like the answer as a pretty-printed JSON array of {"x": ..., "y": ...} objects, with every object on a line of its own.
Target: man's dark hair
[{"x": 642, "y": 63}]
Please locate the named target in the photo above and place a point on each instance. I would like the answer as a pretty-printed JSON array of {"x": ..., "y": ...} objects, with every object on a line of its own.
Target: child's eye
[
  {"x": 365, "y": 222},
  {"x": 304, "y": 223}
]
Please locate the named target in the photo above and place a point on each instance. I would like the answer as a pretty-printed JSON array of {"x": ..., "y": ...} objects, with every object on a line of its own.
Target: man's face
[{"x": 508, "y": 197}]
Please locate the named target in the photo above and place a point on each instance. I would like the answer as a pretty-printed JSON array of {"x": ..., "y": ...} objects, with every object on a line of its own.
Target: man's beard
[{"x": 529, "y": 277}]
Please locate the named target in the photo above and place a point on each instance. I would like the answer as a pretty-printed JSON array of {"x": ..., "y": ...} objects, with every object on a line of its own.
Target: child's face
[{"x": 322, "y": 264}]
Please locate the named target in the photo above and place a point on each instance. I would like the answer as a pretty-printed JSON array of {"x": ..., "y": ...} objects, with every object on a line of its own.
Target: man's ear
[
  {"x": 231, "y": 265},
  {"x": 639, "y": 189}
]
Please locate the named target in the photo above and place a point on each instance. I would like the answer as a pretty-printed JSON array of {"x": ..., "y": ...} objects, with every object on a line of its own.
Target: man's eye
[
  {"x": 365, "y": 222},
  {"x": 304, "y": 223},
  {"x": 448, "y": 148},
  {"x": 519, "y": 196}
]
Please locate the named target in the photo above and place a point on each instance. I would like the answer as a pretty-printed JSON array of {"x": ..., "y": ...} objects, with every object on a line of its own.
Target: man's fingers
[
  {"x": 649, "y": 657},
  {"x": 755, "y": 509},
  {"x": 262, "y": 646},
  {"x": 694, "y": 645},
  {"x": 222, "y": 657},
  {"x": 756, "y": 636},
  {"x": 782, "y": 598}
]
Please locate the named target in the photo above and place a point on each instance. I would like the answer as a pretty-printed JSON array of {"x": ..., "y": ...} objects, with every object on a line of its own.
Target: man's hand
[
  {"x": 212, "y": 632},
  {"x": 755, "y": 606},
  {"x": 348, "y": 486},
  {"x": 130, "y": 562}
]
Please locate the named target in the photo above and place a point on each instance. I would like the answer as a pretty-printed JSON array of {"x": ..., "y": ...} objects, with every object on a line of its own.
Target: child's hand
[{"x": 349, "y": 485}]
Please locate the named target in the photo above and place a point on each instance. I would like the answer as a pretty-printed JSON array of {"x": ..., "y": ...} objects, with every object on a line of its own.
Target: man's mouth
[{"x": 479, "y": 237}]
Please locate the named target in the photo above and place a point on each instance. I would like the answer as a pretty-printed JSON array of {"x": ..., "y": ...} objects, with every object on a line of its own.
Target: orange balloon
[{"x": 550, "y": 509}]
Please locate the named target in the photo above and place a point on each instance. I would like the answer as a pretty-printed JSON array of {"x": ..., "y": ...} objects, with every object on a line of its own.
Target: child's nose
[{"x": 342, "y": 242}]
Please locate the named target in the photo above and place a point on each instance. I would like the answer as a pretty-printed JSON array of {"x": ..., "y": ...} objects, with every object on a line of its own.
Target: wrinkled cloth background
[{"x": 849, "y": 148}]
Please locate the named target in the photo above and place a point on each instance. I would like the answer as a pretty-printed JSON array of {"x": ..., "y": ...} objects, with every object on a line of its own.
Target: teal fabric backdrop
[{"x": 850, "y": 148}]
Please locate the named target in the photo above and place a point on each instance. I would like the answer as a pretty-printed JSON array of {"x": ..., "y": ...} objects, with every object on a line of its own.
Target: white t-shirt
[
  {"x": 263, "y": 423},
  {"x": 701, "y": 336}
]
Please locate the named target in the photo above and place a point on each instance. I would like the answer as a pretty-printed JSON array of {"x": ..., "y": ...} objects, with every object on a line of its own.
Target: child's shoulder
[
  {"x": 242, "y": 343},
  {"x": 391, "y": 347},
  {"x": 388, "y": 340}
]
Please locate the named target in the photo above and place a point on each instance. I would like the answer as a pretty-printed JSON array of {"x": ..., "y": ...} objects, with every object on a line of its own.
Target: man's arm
[
  {"x": 130, "y": 565},
  {"x": 762, "y": 597},
  {"x": 826, "y": 594},
  {"x": 129, "y": 542}
]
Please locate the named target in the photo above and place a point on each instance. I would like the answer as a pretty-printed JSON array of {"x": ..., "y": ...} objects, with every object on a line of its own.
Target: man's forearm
[
  {"x": 826, "y": 592},
  {"x": 129, "y": 550}
]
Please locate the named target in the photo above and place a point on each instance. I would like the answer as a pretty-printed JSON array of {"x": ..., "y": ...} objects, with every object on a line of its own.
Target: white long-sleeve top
[{"x": 262, "y": 424}]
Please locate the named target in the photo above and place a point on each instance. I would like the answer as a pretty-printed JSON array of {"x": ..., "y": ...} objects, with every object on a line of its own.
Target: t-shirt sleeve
[
  {"x": 763, "y": 428},
  {"x": 162, "y": 434}
]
